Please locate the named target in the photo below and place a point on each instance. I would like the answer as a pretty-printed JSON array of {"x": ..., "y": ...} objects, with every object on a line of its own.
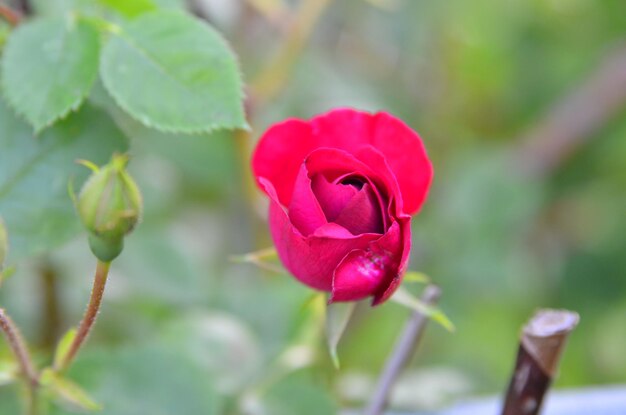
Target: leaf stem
[
  {"x": 18, "y": 346},
  {"x": 89, "y": 318},
  {"x": 406, "y": 345}
]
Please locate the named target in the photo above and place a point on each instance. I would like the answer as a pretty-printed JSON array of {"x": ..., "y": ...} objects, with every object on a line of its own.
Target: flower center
[
  {"x": 353, "y": 181},
  {"x": 352, "y": 202}
]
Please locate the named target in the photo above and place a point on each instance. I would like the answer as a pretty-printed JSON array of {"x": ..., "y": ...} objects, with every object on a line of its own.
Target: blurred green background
[{"x": 504, "y": 232}]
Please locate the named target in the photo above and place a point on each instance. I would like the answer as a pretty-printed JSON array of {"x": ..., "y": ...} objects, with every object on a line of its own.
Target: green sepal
[
  {"x": 106, "y": 250},
  {"x": 67, "y": 393},
  {"x": 337, "y": 317},
  {"x": 405, "y": 298},
  {"x": 63, "y": 347}
]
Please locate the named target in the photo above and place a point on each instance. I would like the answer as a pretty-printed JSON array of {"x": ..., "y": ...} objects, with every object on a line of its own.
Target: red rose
[{"x": 342, "y": 187}]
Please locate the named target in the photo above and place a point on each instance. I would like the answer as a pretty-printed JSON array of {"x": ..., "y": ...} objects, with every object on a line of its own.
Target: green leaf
[
  {"x": 64, "y": 347},
  {"x": 48, "y": 68},
  {"x": 405, "y": 298},
  {"x": 175, "y": 73},
  {"x": 414, "y": 276},
  {"x": 65, "y": 7},
  {"x": 130, "y": 9},
  {"x": 147, "y": 380},
  {"x": 94, "y": 8},
  {"x": 9, "y": 399},
  {"x": 262, "y": 254},
  {"x": 337, "y": 318},
  {"x": 265, "y": 259},
  {"x": 298, "y": 394},
  {"x": 4, "y": 244},
  {"x": 8, "y": 272},
  {"x": 219, "y": 343},
  {"x": 35, "y": 171},
  {"x": 67, "y": 393},
  {"x": 5, "y": 30},
  {"x": 203, "y": 160},
  {"x": 9, "y": 371}
]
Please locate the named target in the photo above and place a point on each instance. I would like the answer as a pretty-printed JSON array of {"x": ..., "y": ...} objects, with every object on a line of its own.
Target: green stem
[
  {"x": 18, "y": 346},
  {"x": 272, "y": 78},
  {"x": 89, "y": 318},
  {"x": 51, "y": 309},
  {"x": 401, "y": 355},
  {"x": 32, "y": 401},
  {"x": 20, "y": 350}
]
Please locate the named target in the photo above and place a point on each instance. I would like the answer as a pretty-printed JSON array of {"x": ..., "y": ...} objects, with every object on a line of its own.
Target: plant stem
[
  {"x": 404, "y": 349},
  {"x": 50, "y": 310},
  {"x": 9, "y": 15},
  {"x": 18, "y": 346},
  {"x": 32, "y": 400},
  {"x": 89, "y": 318},
  {"x": 25, "y": 7},
  {"x": 272, "y": 78},
  {"x": 542, "y": 343},
  {"x": 576, "y": 118}
]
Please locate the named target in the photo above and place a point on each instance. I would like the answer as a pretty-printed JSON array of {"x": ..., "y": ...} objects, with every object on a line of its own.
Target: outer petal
[
  {"x": 311, "y": 260},
  {"x": 375, "y": 271},
  {"x": 285, "y": 145},
  {"x": 280, "y": 153},
  {"x": 404, "y": 151},
  {"x": 393, "y": 280}
]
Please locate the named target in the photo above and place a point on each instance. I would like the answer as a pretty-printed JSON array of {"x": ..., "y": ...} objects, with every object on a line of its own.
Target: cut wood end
[
  {"x": 545, "y": 334},
  {"x": 547, "y": 323}
]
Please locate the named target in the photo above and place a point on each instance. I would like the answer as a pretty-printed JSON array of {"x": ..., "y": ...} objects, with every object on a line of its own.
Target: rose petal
[
  {"x": 358, "y": 276},
  {"x": 367, "y": 272},
  {"x": 368, "y": 163},
  {"x": 333, "y": 230},
  {"x": 332, "y": 198},
  {"x": 304, "y": 210},
  {"x": 363, "y": 213},
  {"x": 401, "y": 147},
  {"x": 279, "y": 155},
  {"x": 283, "y": 147},
  {"x": 335, "y": 164},
  {"x": 394, "y": 280},
  {"x": 404, "y": 151},
  {"x": 374, "y": 159},
  {"x": 311, "y": 260}
]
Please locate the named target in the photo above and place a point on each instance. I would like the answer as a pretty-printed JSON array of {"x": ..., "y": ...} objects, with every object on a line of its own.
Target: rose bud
[
  {"x": 342, "y": 187},
  {"x": 109, "y": 206}
]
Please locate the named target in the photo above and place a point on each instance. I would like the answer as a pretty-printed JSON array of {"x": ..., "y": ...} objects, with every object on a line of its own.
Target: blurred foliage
[{"x": 472, "y": 77}]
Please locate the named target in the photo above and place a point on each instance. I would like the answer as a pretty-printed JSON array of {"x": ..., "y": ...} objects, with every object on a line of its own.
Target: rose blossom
[{"x": 342, "y": 188}]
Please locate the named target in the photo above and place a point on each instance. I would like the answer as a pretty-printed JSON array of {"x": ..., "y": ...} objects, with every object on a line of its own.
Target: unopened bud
[
  {"x": 110, "y": 206},
  {"x": 4, "y": 243}
]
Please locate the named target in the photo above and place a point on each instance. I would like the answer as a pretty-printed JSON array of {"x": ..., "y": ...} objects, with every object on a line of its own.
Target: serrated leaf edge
[
  {"x": 38, "y": 128},
  {"x": 166, "y": 128}
]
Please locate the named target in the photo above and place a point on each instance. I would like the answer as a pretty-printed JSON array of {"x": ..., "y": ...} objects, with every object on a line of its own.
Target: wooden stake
[{"x": 542, "y": 343}]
